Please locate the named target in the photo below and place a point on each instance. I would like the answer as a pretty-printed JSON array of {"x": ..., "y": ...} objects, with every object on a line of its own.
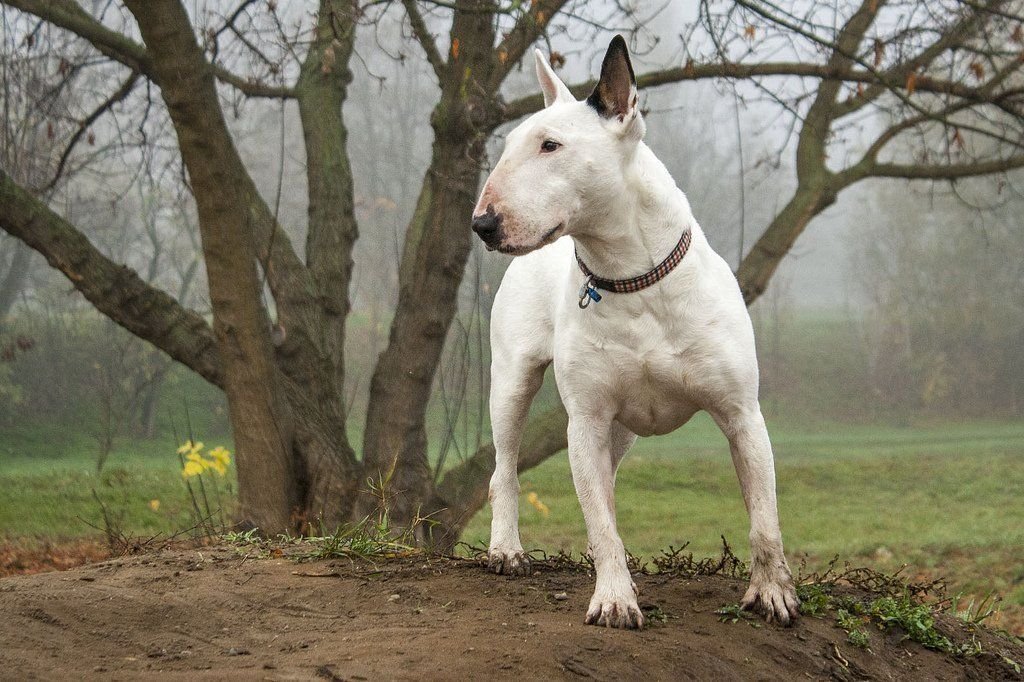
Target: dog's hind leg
[
  {"x": 771, "y": 592},
  {"x": 514, "y": 382},
  {"x": 593, "y": 472}
]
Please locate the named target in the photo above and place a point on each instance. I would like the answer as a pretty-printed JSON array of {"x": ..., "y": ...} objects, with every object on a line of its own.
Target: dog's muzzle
[{"x": 488, "y": 227}]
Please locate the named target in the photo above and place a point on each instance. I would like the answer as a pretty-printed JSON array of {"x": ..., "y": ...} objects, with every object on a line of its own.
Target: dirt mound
[{"x": 221, "y": 613}]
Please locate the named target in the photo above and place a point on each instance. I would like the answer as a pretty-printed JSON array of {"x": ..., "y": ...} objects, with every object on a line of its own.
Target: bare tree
[{"x": 282, "y": 366}]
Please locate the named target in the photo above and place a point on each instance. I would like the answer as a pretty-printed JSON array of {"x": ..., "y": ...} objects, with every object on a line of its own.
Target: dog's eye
[{"x": 548, "y": 146}]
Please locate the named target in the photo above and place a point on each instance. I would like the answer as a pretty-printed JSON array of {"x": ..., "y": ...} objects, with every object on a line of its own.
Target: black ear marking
[{"x": 612, "y": 95}]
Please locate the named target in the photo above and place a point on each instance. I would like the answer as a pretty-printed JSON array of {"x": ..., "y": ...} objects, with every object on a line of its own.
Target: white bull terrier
[{"x": 672, "y": 337}]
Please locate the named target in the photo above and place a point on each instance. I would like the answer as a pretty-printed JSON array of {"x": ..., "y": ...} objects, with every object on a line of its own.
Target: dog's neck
[{"x": 637, "y": 229}]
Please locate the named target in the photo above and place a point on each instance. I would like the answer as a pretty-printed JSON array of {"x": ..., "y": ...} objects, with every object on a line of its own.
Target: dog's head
[{"x": 565, "y": 165}]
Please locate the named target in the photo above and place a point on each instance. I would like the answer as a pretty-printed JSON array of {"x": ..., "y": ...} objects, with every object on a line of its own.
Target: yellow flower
[
  {"x": 192, "y": 468},
  {"x": 190, "y": 447},
  {"x": 154, "y": 505},
  {"x": 222, "y": 455},
  {"x": 537, "y": 504}
]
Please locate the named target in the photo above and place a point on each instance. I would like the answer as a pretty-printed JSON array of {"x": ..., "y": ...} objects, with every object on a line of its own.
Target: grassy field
[{"x": 945, "y": 499}]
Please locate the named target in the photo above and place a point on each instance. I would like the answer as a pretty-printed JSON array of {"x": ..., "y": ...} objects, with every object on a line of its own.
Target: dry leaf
[
  {"x": 455, "y": 48},
  {"x": 911, "y": 82},
  {"x": 749, "y": 32},
  {"x": 879, "y": 51},
  {"x": 978, "y": 69}
]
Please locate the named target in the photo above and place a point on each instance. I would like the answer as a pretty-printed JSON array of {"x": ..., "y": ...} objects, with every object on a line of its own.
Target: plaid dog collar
[{"x": 588, "y": 292}]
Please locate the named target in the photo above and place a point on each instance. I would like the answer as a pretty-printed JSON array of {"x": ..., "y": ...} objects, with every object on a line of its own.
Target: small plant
[
  {"x": 854, "y": 626},
  {"x": 655, "y": 614},
  {"x": 917, "y": 620},
  {"x": 365, "y": 539},
  {"x": 734, "y": 613},
  {"x": 243, "y": 538},
  {"x": 815, "y": 599},
  {"x": 975, "y": 613},
  {"x": 203, "y": 470}
]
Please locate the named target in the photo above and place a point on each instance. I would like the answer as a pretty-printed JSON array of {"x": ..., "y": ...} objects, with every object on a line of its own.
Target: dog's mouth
[{"x": 510, "y": 250}]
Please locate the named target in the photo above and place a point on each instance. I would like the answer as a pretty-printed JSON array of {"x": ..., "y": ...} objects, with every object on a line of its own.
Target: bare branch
[
  {"x": 528, "y": 28},
  {"x": 740, "y": 71},
  {"x": 253, "y": 88},
  {"x": 424, "y": 38},
  {"x": 953, "y": 171},
  {"x": 118, "y": 96},
  {"x": 116, "y": 290},
  {"x": 69, "y": 16}
]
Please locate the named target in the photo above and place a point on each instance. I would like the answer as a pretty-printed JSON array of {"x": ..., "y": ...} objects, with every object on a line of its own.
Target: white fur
[{"x": 640, "y": 363}]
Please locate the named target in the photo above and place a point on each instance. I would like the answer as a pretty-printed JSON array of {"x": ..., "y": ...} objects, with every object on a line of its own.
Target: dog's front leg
[
  {"x": 513, "y": 385},
  {"x": 590, "y": 456},
  {"x": 771, "y": 590}
]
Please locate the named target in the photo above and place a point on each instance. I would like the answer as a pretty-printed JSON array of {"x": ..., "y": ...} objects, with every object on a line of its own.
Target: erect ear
[
  {"x": 551, "y": 85},
  {"x": 615, "y": 95}
]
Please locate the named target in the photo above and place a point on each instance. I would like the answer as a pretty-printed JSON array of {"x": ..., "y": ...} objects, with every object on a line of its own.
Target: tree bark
[
  {"x": 262, "y": 422},
  {"x": 437, "y": 245}
]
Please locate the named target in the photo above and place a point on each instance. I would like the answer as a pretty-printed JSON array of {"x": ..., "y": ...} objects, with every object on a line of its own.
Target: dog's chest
[{"x": 645, "y": 371}]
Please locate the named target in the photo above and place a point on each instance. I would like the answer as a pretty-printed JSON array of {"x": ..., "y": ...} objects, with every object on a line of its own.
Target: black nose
[{"x": 487, "y": 225}]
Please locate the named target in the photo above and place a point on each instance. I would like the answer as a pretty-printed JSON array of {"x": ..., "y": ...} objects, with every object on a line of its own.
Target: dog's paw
[
  {"x": 508, "y": 562},
  {"x": 619, "y": 611},
  {"x": 775, "y": 599}
]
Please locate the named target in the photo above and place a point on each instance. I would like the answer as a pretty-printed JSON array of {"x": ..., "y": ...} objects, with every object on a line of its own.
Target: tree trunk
[
  {"x": 260, "y": 416},
  {"x": 437, "y": 246},
  {"x": 436, "y": 249}
]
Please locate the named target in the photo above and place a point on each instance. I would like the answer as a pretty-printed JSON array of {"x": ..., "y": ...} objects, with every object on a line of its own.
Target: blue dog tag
[{"x": 588, "y": 293}]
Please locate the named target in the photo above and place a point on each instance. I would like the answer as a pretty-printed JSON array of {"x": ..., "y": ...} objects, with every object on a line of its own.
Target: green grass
[
  {"x": 47, "y": 481},
  {"x": 844, "y": 489}
]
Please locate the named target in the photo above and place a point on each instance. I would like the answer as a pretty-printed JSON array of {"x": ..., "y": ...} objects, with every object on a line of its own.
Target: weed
[
  {"x": 917, "y": 620},
  {"x": 734, "y": 613},
  {"x": 366, "y": 539},
  {"x": 815, "y": 599},
  {"x": 897, "y": 603},
  {"x": 674, "y": 562},
  {"x": 730, "y": 613},
  {"x": 854, "y": 626},
  {"x": 655, "y": 614},
  {"x": 244, "y": 538},
  {"x": 975, "y": 613}
]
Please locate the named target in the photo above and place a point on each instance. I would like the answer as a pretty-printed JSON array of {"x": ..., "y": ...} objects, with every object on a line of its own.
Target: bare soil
[{"x": 220, "y": 613}]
